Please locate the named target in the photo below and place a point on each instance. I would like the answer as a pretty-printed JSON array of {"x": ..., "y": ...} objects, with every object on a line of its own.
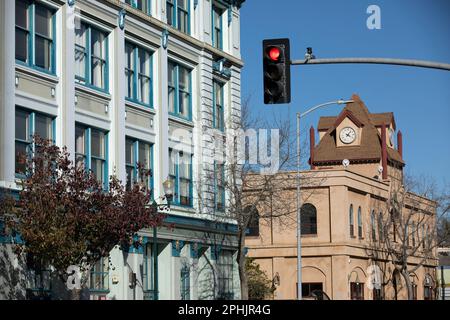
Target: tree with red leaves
[{"x": 65, "y": 217}]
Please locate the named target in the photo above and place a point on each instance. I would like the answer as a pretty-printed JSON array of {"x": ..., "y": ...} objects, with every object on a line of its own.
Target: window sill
[
  {"x": 139, "y": 106},
  {"x": 309, "y": 235},
  {"x": 36, "y": 72},
  {"x": 181, "y": 120},
  {"x": 98, "y": 92}
]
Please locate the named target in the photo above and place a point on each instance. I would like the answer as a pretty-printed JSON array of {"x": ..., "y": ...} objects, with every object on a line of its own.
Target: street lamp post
[
  {"x": 299, "y": 229},
  {"x": 168, "y": 195}
]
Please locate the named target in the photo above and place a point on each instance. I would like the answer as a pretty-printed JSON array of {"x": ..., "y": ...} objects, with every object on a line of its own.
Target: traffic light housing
[{"x": 277, "y": 71}]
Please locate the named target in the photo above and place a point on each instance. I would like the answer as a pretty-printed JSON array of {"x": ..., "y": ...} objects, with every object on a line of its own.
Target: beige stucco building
[{"x": 347, "y": 215}]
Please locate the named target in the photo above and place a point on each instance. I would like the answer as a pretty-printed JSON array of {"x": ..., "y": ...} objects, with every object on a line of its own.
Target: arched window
[
  {"x": 372, "y": 226},
  {"x": 309, "y": 219},
  {"x": 360, "y": 230},
  {"x": 423, "y": 237},
  {"x": 380, "y": 226},
  {"x": 352, "y": 223},
  {"x": 253, "y": 225},
  {"x": 407, "y": 234}
]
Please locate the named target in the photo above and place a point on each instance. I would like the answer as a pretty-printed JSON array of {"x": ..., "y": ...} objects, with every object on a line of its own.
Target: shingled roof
[{"x": 326, "y": 152}]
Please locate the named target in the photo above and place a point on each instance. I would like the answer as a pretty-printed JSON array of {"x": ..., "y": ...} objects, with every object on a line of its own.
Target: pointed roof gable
[{"x": 369, "y": 150}]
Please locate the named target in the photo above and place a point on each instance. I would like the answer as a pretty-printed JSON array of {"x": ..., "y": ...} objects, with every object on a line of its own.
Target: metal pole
[
  {"x": 299, "y": 230},
  {"x": 442, "y": 283},
  {"x": 401, "y": 62},
  {"x": 155, "y": 264}
]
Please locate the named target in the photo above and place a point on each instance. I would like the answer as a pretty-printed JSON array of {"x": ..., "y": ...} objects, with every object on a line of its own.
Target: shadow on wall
[{"x": 12, "y": 275}]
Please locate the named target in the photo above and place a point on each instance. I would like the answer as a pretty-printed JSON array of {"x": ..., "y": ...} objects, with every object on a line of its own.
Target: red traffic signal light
[{"x": 274, "y": 53}]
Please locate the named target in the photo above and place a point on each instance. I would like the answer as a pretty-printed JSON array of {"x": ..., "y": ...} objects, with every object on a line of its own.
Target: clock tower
[{"x": 365, "y": 140}]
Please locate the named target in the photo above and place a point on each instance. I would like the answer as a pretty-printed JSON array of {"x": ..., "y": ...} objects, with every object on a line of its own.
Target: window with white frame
[
  {"x": 177, "y": 14},
  {"x": 218, "y": 106},
  {"x": 179, "y": 89},
  {"x": 138, "y": 158},
  {"x": 91, "y": 56},
  {"x": 143, "y": 5},
  {"x": 35, "y": 34},
  {"x": 90, "y": 151},
  {"x": 225, "y": 274},
  {"x": 180, "y": 172},
  {"x": 29, "y": 124},
  {"x": 138, "y": 71},
  {"x": 217, "y": 26}
]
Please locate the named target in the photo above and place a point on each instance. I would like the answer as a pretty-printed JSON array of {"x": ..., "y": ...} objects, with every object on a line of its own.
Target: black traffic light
[{"x": 277, "y": 71}]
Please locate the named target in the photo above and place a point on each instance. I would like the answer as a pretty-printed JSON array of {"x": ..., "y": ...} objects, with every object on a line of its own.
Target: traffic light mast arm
[{"x": 401, "y": 62}]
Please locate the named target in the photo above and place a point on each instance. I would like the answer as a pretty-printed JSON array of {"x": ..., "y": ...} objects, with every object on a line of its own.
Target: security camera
[
  {"x": 380, "y": 169},
  {"x": 309, "y": 54}
]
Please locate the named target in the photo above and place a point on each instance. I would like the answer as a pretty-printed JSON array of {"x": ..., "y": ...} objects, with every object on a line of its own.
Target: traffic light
[{"x": 277, "y": 71}]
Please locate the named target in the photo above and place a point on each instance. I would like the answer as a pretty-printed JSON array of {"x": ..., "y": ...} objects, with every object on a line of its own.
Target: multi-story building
[
  {"x": 117, "y": 81},
  {"x": 347, "y": 223}
]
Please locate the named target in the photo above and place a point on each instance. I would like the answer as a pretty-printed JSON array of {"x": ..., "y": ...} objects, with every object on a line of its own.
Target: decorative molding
[
  {"x": 122, "y": 15},
  {"x": 165, "y": 38},
  {"x": 177, "y": 246},
  {"x": 219, "y": 66}
]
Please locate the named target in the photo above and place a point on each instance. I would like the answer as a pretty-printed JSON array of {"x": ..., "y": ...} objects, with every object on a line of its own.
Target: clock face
[{"x": 347, "y": 135}]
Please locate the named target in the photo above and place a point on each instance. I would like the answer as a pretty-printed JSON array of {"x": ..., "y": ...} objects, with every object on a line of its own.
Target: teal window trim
[
  {"x": 87, "y": 81},
  {"x": 217, "y": 104},
  {"x": 31, "y": 48},
  {"x": 217, "y": 43},
  {"x": 136, "y": 74},
  {"x": 133, "y": 164},
  {"x": 135, "y": 4},
  {"x": 219, "y": 193},
  {"x": 39, "y": 276},
  {"x": 31, "y": 146},
  {"x": 185, "y": 283},
  {"x": 88, "y": 157},
  {"x": 176, "y": 89},
  {"x": 177, "y": 179},
  {"x": 102, "y": 273},
  {"x": 175, "y": 12}
]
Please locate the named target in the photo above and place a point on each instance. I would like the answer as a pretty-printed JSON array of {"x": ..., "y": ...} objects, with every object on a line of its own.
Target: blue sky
[{"x": 412, "y": 29}]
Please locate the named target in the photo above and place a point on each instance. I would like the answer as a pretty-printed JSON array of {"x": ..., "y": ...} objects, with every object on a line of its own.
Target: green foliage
[{"x": 259, "y": 285}]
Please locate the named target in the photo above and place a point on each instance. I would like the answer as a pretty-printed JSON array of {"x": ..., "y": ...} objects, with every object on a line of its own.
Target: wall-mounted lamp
[{"x": 122, "y": 15}]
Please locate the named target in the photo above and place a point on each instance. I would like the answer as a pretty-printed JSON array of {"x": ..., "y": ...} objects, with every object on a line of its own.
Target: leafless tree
[
  {"x": 403, "y": 231},
  {"x": 253, "y": 191}
]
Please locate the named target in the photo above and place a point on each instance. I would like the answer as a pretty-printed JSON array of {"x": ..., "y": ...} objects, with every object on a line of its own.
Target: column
[
  {"x": 65, "y": 126},
  {"x": 7, "y": 90}
]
